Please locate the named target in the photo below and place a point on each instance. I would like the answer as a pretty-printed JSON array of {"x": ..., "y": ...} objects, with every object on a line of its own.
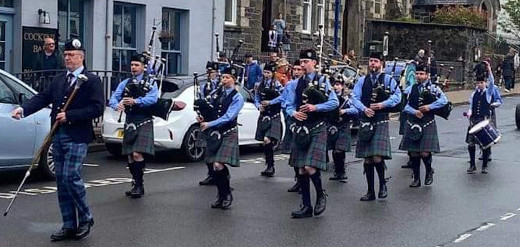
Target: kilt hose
[
  {"x": 274, "y": 132},
  {"x": 72, "y": 197},
  {"x": 429, "y": 141},
  {"x": 379, "y": 145},
  {"x": 144, "y": 142},
  {"x": 228, "y": 151},
  {"x": 315, "y": 154},
  {"x": 344, "y": 141},
  {"x": 288, "y": 136}
]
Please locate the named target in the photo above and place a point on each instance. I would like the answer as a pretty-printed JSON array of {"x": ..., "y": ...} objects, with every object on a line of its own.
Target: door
[
  {"x": 6, "y": 32},
  {"x": 17, "y": 136}
]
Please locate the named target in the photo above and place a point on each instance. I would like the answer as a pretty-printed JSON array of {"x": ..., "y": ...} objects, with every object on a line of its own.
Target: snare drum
[{"x": 485, "y": 134}]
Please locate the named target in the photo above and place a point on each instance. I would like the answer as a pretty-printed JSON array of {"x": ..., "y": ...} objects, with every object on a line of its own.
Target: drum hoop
[{"x": 480, "y": 125}]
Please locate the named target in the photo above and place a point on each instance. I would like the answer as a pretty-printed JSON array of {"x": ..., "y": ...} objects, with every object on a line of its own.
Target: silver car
[{"x": 21, "y": 139}]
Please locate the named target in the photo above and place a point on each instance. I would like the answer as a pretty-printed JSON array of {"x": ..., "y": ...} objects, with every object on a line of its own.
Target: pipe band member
[
  {"x": 338, "y": 124},
  {"x": 479, "y": 110},
  {"x": 70, "y": 142},
  {"x": 212, "y": 69},
  {"x": 420, "y": 134},
  {"x": 222, "y": 144},
  {"x": 309, "y": 104},
  {"x": 134, "y": 96},
  {"x": 269, "y": 125},
  {"x": 373, "y": 95}
]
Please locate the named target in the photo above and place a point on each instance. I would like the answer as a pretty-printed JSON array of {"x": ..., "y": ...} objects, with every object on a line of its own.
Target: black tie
[
  {"x": 67, "y": 83},
  {"x": 222, "y": 97},
  {"x": 374, "y": 79}
]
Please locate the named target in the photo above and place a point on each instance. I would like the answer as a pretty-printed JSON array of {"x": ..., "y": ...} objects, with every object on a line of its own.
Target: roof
[{"x": 443, "y": 2}]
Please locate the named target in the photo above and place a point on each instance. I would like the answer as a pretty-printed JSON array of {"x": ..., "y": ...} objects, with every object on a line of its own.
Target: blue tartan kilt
[
  {"x": 288, "y": 137},
  {"x": 429, "y": 141},
  {"x": 315, "y": 154},
  {"x": 402, "y": 122},
  {"x": 379, "y": 145},
  {"x": 343, "y": 142},
  {"x": 227, "y": 153},
  {"x": 144, "y": 142},
  {"x": 274, "y": 132}
]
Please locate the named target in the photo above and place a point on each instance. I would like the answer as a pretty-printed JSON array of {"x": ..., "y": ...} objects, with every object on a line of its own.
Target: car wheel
[
  {"x": 114, "y": 149},
  {"x": 46, "y": 166},
  {"x": 191, "y": 152},
  {"x": 517, "y": 116}
]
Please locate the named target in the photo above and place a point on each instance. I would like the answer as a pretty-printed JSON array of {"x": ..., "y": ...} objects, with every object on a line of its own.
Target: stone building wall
[
  {"x": 450, "y": 43},
  {"x": 249, "y": 28}
]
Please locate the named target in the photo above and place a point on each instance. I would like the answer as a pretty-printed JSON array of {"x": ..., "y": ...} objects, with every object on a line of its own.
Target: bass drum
[{"x": 517, "y": 116}]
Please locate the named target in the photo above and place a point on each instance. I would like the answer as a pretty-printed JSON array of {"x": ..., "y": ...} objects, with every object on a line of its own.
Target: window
[
  {"x": 2, "y": 45},
  {"x": 6, "y": 3},
  {"x": 71, "y": 21},
  {"x": 231, "y": 12},
  {"x": 377, "y": 6},
  {"x": 6, "y": 95},
  {"x": 307, "y": 16},
  {"x": 17, "y": 88},
  {"x": 124, "y": 36},
  {"x": 321, "y": 12},
  {"x": 172, "y": 20}
]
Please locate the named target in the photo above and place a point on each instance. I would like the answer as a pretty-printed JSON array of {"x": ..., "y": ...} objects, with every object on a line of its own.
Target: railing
[{"x": 40, "y": 80}]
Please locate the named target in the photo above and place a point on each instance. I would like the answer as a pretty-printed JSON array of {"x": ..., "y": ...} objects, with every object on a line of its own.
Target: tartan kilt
[
  {"x": 228, "y": 151},
  {"x": 202, "y": 139},
  {"x": 144, "y": 142},
  {"x": 402, "y": 122},
  {"x": 287, "y": 138},
  {"x": 274, "y": 132},
  {"x": 379, "y": 145},
  {"x": 429, "y": 141},
  {"x": 344, "y": 140},
  {"x": 315, "y": 154}
]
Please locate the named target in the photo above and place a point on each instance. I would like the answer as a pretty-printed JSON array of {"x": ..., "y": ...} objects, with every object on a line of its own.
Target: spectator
[
  {"x": 350, "y": 58},
  {"x": 498, "y": 74},
  {"x": 253, "y": 72},
  {"x": 49, "y": 58},
  {"x": 279, "y": 27},
  {"x": 286, "y": 40},
  {"x": 419, "y": 58},
  {"x": 273, "y": 39},
  {"x": 273, "y": 57},
  {"x": 433, "y": 67},
  {"x": 508, "y": 71}
]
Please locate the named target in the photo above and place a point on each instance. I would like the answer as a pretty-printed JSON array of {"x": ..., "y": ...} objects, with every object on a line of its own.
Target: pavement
[{"x": 459, "y": 209}]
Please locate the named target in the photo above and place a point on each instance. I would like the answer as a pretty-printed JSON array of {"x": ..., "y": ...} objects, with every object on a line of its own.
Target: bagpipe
[
  {"x": 316, "y": 92},
  {"x": 381, "y": 92}
]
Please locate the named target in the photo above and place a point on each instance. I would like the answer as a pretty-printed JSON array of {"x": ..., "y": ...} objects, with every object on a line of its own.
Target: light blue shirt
[
  {"x": 289, "y": 87},
  {"x": 331, "y": 104},
  {"x": 75, "y": 73},
  {"x": 149, "y": 99},
  {"x": 392, "y": 101},
  {"x": 497, "y": 97},
  {"x": 441, "y": 101},
  {"x": 277, "y": 86},
  {"x": 232, "y": 112},
  {"x": 490, "y": 90},
  {"x": 351, "y": 110}
]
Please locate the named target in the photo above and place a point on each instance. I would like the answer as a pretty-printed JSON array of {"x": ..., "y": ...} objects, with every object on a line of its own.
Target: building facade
[{"x": 112, "y": 31}]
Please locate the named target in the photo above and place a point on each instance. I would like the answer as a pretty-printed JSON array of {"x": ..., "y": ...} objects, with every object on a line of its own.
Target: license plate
[{"x": 120, "y": 134}]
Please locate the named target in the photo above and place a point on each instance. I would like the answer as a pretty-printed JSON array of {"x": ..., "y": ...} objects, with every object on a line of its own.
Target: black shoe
[
  {"x": 383, "y": 191},
  {"x": 137, "y": 191},
  {"x": 268, "y": 172},
  {"x": 338, "y": 177},
  {"x": 295, "y": 188},
  {"x": 321, "y": 204},
  {"x": 84, "y": 229},
  {"x": 428, "y": 179},
  {"x": 304, "y": 212},
  {"x": 218, "y": 202},
  {"x": 408, "y": 165},
  {"x": 471, "y": 170},
  {"x": 485, "y": 170},
  {"x": 63, "y": 234},
  {"x": 416, "y": 183},
  {"x": 226, "y": 201},
  {"x": 209, "y": 180},
  {"x": 369, "y": 196},
  {"x": 129, "y": 192}
]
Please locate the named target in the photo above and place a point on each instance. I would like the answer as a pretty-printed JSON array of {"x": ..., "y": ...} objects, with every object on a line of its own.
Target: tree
[
  {"x": 460, "y": 15},
  {"x": 511, "y": 24}
]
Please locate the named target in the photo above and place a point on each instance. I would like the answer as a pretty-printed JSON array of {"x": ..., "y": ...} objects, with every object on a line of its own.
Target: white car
[{"x": 181, "y": 129}]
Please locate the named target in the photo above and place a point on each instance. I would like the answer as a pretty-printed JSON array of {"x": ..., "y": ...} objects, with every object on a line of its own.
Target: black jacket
[{"x": 86, "y": 106}]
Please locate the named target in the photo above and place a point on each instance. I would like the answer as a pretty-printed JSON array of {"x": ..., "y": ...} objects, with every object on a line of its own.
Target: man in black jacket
[{"x": 70, "y": 142}]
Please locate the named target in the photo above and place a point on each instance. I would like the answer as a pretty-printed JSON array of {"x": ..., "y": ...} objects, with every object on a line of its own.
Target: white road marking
[
  {"x": 485, "y": 227},
  {"x": 91, "y": 165},
  {"x": 507, "y": 216},
  {"x": 462, "y": 238}
]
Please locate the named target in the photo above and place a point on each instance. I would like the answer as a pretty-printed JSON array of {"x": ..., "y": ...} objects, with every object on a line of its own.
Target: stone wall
[{"x": 450, "y": 43}]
